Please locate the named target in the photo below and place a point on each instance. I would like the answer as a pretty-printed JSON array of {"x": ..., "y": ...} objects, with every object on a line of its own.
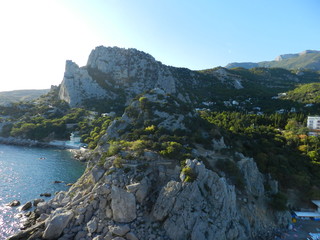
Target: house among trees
[{"x": 313, "y": 123}]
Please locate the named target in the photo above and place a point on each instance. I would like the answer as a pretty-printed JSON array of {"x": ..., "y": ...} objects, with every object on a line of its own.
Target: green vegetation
[
  {"x": 279, "y": 202},
  {"x": 92, "y": 131},
  {"x": 190, "y": 175},
  {"x": 41, "y": 128},
  {"x": 306, "y": 93},
  {"x": 277, "y": 142},
  {"x": 231, "y": 169}
]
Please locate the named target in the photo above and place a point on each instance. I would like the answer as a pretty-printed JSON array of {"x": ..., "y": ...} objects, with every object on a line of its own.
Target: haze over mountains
[
  {"x": 21, "y": 95},
  {"x": 309, "y": 59}
]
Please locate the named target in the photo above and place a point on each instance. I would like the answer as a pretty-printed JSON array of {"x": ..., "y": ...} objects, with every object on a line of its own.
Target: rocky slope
[
  {"x": 309, "y": 59},
  {"x": 135, "y": 189}
]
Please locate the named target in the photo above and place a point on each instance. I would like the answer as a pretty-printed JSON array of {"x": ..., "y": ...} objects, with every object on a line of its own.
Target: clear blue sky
[{"x": 37, "y": 36}]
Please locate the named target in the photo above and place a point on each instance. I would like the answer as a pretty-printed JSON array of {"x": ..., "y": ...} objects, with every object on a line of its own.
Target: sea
[{"x": 25, "y": 173}]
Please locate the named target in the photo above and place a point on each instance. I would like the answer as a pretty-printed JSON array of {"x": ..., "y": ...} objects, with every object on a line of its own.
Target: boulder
[
  {"x": 120, "y": 230},
  {"x": 131, "y": 236},
  {"x": 14, "y": 203},
  {"x": 123, "y": 205},
  {"x": 37, "y": 201},
  {"x": 26, "y": 206},
  {"x": 92, "y": 225},
  {"x": 140, "y": 189},
  {"x": 42, "y": 217},
  {"x": 97, "y": 173},
  {"x": 45, "y": 195},
  {"x": 56, "y": 225}
]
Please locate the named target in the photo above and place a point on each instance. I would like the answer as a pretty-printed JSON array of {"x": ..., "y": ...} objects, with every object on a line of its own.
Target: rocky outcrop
[
  {"x": 123, "y": 205},
  {"x": 118, "y": 205},
  {"x": 252, "y": 177},
  {"x": 56, "y": 224},
  {"x": 77, "y": 85},
  {"x": 207, "y": 208},
  {"x": 110, "y": 69}
]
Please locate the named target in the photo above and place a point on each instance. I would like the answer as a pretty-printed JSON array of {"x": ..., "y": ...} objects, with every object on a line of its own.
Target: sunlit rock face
[{"x": 111, "y": 72}]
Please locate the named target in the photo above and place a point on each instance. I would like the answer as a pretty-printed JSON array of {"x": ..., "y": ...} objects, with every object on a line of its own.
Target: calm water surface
[{"x": 27, "y": 172}]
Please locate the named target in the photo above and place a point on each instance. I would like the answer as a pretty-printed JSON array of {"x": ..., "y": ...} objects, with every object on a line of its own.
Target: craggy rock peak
[{"x": 111, "y": 72}]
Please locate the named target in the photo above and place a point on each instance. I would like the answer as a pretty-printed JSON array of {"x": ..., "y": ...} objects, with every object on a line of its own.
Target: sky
[{"x": 38, "y": 36}]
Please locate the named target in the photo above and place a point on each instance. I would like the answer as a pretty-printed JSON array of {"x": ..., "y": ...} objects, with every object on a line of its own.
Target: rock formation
[{"x": 110, "y": 71}]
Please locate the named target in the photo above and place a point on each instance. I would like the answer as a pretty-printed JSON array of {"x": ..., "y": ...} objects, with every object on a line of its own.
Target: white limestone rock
[
  {"x": 203, "y": 209},
  {"x": 123, "y": 205},
  {"x": 252, "y": 177},
  {"x": 78, "y": 85},
  {"x": 56, "y": 225},
  {"x": 128, "y": 69}
]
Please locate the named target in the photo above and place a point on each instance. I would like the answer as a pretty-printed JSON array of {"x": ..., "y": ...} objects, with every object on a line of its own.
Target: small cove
[{"x": 26, "y": 172}]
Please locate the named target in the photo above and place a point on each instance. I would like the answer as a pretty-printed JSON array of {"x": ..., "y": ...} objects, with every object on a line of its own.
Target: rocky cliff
[
  {"x": 111, "y": 72},
  {"x": 119, "y": 74},
  {"x": 135, "y": 186}
]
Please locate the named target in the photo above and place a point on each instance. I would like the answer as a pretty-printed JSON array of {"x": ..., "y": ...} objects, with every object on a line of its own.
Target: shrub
[
  {"x": 190, "y": 175},
  {"x": 279, "y": 202},
  {"x": 118, "y": 162},
  {"x": 113, "y": 149},
  {"x": 151, "y": 128},
  {"x": 231, "y": 169},
  {"x": 172, "y": 149}
]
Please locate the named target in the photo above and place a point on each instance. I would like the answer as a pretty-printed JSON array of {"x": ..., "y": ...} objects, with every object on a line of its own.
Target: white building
[{"x": 313, "y": 123}]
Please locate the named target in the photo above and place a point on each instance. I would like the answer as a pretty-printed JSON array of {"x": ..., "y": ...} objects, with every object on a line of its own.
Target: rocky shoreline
[{"x": 109, "y": 203}]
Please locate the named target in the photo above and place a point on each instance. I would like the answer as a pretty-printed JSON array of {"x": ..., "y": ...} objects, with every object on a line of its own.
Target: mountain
[
  {"x": 309, "y": 59},
  {"x": 20, "y": 95},
  {"x": 112, "y": 77}
]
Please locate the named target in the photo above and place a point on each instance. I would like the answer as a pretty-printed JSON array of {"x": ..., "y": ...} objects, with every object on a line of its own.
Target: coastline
[
  {"x": 35, "y": 143},
  {"x": 29, "y": 172}
]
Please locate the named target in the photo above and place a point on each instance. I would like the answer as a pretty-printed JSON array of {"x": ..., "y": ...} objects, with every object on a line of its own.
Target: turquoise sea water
[{"x": 27, "y": 172}]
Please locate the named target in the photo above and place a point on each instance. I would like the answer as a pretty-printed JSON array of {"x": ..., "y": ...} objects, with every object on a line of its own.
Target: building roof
[
  {"x": 316, "y": 202},
  {"x": 307, "y": 214}
]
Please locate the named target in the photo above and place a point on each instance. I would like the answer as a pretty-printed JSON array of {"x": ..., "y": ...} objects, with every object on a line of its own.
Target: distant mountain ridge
[
  {"x": 308, "y": 59},
  {"x": 8, "y": 97}
]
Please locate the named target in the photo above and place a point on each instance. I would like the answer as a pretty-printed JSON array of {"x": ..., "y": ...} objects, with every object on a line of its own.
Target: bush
[
  {"x": 231, "y": 169},
  {"x": 279, "y": 202},
  {"x": 190, "y": 175},
  {"x": 113, "y": 149},
  {"x": 172, "y": 150}
]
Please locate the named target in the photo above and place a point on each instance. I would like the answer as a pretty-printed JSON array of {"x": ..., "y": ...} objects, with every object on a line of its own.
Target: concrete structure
[
  {"x": 313, "y": 123},
  {"x": 315, "y": 215}
]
